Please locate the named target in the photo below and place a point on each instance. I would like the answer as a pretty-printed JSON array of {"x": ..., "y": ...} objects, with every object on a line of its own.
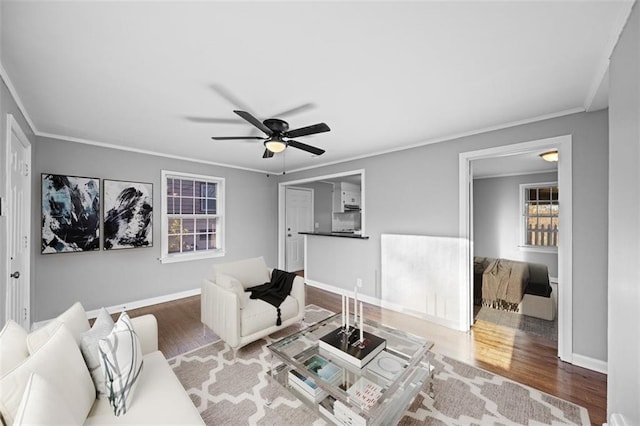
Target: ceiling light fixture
[
  {"x": 551, "y": 156},
  {"x": 275, "y": 145}
]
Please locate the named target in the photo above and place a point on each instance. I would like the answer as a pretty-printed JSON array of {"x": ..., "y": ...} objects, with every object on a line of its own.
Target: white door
[
  {"x": 298, "y": 218},
  {"x": 18, "y": 221}
]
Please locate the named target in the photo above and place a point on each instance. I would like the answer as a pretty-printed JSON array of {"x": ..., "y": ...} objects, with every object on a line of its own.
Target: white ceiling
[
  {"x": 509, "y": 165},
  {"x": 383, "y": 75}
]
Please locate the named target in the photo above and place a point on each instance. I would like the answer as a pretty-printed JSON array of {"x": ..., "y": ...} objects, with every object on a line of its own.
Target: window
[
  {"x": 192, "y": 216},
  {"x": 540, "y": 214}
]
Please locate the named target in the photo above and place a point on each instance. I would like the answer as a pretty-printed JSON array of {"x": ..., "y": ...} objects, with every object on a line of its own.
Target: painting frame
[
  {"x": 127, "y": 214},
  {"x": 70, "y": 213}
]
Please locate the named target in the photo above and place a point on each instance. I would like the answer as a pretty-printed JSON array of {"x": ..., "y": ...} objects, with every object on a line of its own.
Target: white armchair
[{"x": 229, "y": 312}]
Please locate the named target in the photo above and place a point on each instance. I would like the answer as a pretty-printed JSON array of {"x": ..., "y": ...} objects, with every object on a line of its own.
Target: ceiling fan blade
[
  {"x": 305, "y": 147},
  {"x": 215, "y": 120},
  {"x": 267, "y": 154},
  {"x": 230, "y": 138},
  {"x": 295, "y": 110},
  {"x": 251, "y": 119},
  {"x": 309, "y": 130},
  {"x": 230, "y": 97}
]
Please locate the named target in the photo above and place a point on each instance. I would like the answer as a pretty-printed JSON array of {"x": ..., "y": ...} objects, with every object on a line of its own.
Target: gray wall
[
  {"x": 7, "y": 106},
  {"x": 107, "y": 278},
  {"x": 322, "y": 204},
  {"x": 416, "y": 192},
  {"x": 623, "y": 382},
  {"x": 497, "y": 217}
]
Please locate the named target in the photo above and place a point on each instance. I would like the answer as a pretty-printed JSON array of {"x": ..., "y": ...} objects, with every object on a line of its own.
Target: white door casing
[
  {"x": 299, "y": 218},
  {"x": 565, "y": 249},
  {"x": 18, "y": 210}
]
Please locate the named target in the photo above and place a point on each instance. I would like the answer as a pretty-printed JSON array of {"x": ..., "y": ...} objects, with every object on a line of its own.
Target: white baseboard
[
  {"x": 387, "y": 305},
  {"x": 338, "y": 290},
  {"x": 617, "y": 419},
  {"x": 146, "y": 302},
  {"x": 589, "y": 363},
  {"x": 133, "y": 305}
]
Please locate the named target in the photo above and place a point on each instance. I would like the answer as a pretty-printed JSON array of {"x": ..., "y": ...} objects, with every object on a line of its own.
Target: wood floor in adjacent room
[{"x": 527, "y": 359}]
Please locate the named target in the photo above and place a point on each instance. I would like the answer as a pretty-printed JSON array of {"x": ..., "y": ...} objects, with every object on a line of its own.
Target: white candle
[
  {"x": 361, "y": 324},
  {"x": 342, "y": 322},
  {"x": 347, "y": 313},
  {"x": 355, "y": 306}
]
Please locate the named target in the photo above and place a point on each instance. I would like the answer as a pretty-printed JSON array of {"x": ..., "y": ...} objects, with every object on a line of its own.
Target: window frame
[
  {"x": 165, "y": 256},
  {"x": 523, "y": 246}
]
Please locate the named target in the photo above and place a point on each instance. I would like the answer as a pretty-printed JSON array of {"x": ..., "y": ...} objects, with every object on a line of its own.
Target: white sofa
[
  {"x": 232, "y": 315},
  {"x": 52, "y": 385}
]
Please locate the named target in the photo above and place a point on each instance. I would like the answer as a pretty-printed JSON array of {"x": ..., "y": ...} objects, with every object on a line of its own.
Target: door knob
[{"x": 15, "y": 275}]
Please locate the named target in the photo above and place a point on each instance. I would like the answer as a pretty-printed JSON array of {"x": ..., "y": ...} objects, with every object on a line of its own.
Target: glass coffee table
[{"x": 342, "y": 392}]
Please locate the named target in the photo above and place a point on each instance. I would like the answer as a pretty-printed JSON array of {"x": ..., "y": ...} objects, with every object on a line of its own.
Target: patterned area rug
[{"x": 235, "y": 392}]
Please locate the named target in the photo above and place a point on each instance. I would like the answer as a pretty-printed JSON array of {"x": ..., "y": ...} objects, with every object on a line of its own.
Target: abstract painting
[
  {"x": 70, "y": 213},
  {"x": 128, "y": 208}
]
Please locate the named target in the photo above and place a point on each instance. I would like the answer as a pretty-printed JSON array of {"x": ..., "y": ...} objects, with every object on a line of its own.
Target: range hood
[{"x": 351, "y": 208}]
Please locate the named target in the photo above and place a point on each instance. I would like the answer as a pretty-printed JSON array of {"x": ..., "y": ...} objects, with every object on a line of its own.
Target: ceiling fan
[{"x": 278, "y": 135}]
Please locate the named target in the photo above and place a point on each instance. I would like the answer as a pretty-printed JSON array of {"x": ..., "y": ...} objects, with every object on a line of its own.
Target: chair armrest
[
  {"x": 220, "y": 311},
  {"x": 297, "y": 289},
  {"x": 146, "y": 327},
  {"x": 298, "y": 292}
]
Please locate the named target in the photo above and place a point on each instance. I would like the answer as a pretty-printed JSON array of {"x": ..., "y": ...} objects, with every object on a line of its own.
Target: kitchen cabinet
[{"x": 345, "y": 194}]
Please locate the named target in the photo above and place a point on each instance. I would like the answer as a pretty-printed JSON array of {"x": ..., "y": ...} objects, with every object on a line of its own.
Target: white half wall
[{"x": 423, "y": 276}]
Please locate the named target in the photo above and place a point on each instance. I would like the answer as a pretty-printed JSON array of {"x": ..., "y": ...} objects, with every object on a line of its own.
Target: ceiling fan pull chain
[{"x": 284, "y": 171}]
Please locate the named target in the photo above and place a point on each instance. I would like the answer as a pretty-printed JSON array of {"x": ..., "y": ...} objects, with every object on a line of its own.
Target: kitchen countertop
[{"x": 337, "y": 234}]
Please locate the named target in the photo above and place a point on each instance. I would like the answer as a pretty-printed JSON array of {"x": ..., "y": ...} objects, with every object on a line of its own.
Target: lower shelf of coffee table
[{"x": 389, "y": 411}]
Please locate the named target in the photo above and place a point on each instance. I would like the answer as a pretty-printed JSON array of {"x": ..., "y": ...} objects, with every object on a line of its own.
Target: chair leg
[{"x": 235, "y": 353}]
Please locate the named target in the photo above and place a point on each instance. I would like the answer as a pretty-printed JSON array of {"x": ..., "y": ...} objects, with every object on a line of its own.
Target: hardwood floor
[{"x": 527, "y": 359}]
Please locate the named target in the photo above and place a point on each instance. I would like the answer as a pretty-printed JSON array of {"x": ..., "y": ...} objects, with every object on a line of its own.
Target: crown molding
[
  {"x": 602, "y": 68},
  {"x": 7, "y": 81},
  {"x": 145, "y": 152},
  {"x": 451, "y": 137}
]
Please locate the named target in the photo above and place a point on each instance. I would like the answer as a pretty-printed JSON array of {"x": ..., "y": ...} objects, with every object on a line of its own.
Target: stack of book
[
  {"x": 351, "y": 349},
  {"x": 363, "y": 393},
  {"x": 316, "y": 368},
  {"x": 305, "y": 386}
]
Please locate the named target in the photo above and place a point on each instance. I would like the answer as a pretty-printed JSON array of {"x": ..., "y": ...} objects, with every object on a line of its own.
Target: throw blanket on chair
[
  {"x": 503, "y": 284},
  {"x": 276, "y": 291}
]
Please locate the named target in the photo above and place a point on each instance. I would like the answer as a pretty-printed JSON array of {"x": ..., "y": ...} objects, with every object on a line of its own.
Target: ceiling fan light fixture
[
  {"x": 551, "y": 156},
  {"x": 275, "y": 145}
]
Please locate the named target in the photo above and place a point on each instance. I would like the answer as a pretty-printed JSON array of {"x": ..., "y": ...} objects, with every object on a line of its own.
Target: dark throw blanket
[{"x": 276, "y": 291}]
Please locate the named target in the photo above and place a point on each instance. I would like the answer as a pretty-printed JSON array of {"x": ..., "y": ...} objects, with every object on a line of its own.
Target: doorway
[
  {"x": 18, "y": 210},
  {"x": 298, "y": 218},
  {"x": 565, "y": 302},
  {"x": 515, "y": 223}
]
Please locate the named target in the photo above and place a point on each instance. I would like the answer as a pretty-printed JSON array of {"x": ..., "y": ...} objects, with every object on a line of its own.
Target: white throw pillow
[
  {"x": 60, "y": 363},
  {"x": 75, "y": 318},
  {"x": 121, "y": 358},
  {"x": 101, "y": 328},
  {"x": 42, "y": 404},
  {"x": 13, "y": 346},
  {"x": 229, "y": 283}
]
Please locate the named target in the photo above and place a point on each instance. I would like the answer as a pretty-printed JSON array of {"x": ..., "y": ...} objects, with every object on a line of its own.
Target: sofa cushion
[
  {"x": 250, "y": 272},
  {"x": 230, "y": 283},
  {"x": 101, "y": 328},
  {"x": 59, "y": 362},
  {"x": 159, "y": 399},
  {"x": 121, "y": 359},
  {"x": 13, "y": 346},
  {"x": 42, "y": 404},
  {"x": 75, "y": 318},
  {"x": 260, "y": 315}
]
